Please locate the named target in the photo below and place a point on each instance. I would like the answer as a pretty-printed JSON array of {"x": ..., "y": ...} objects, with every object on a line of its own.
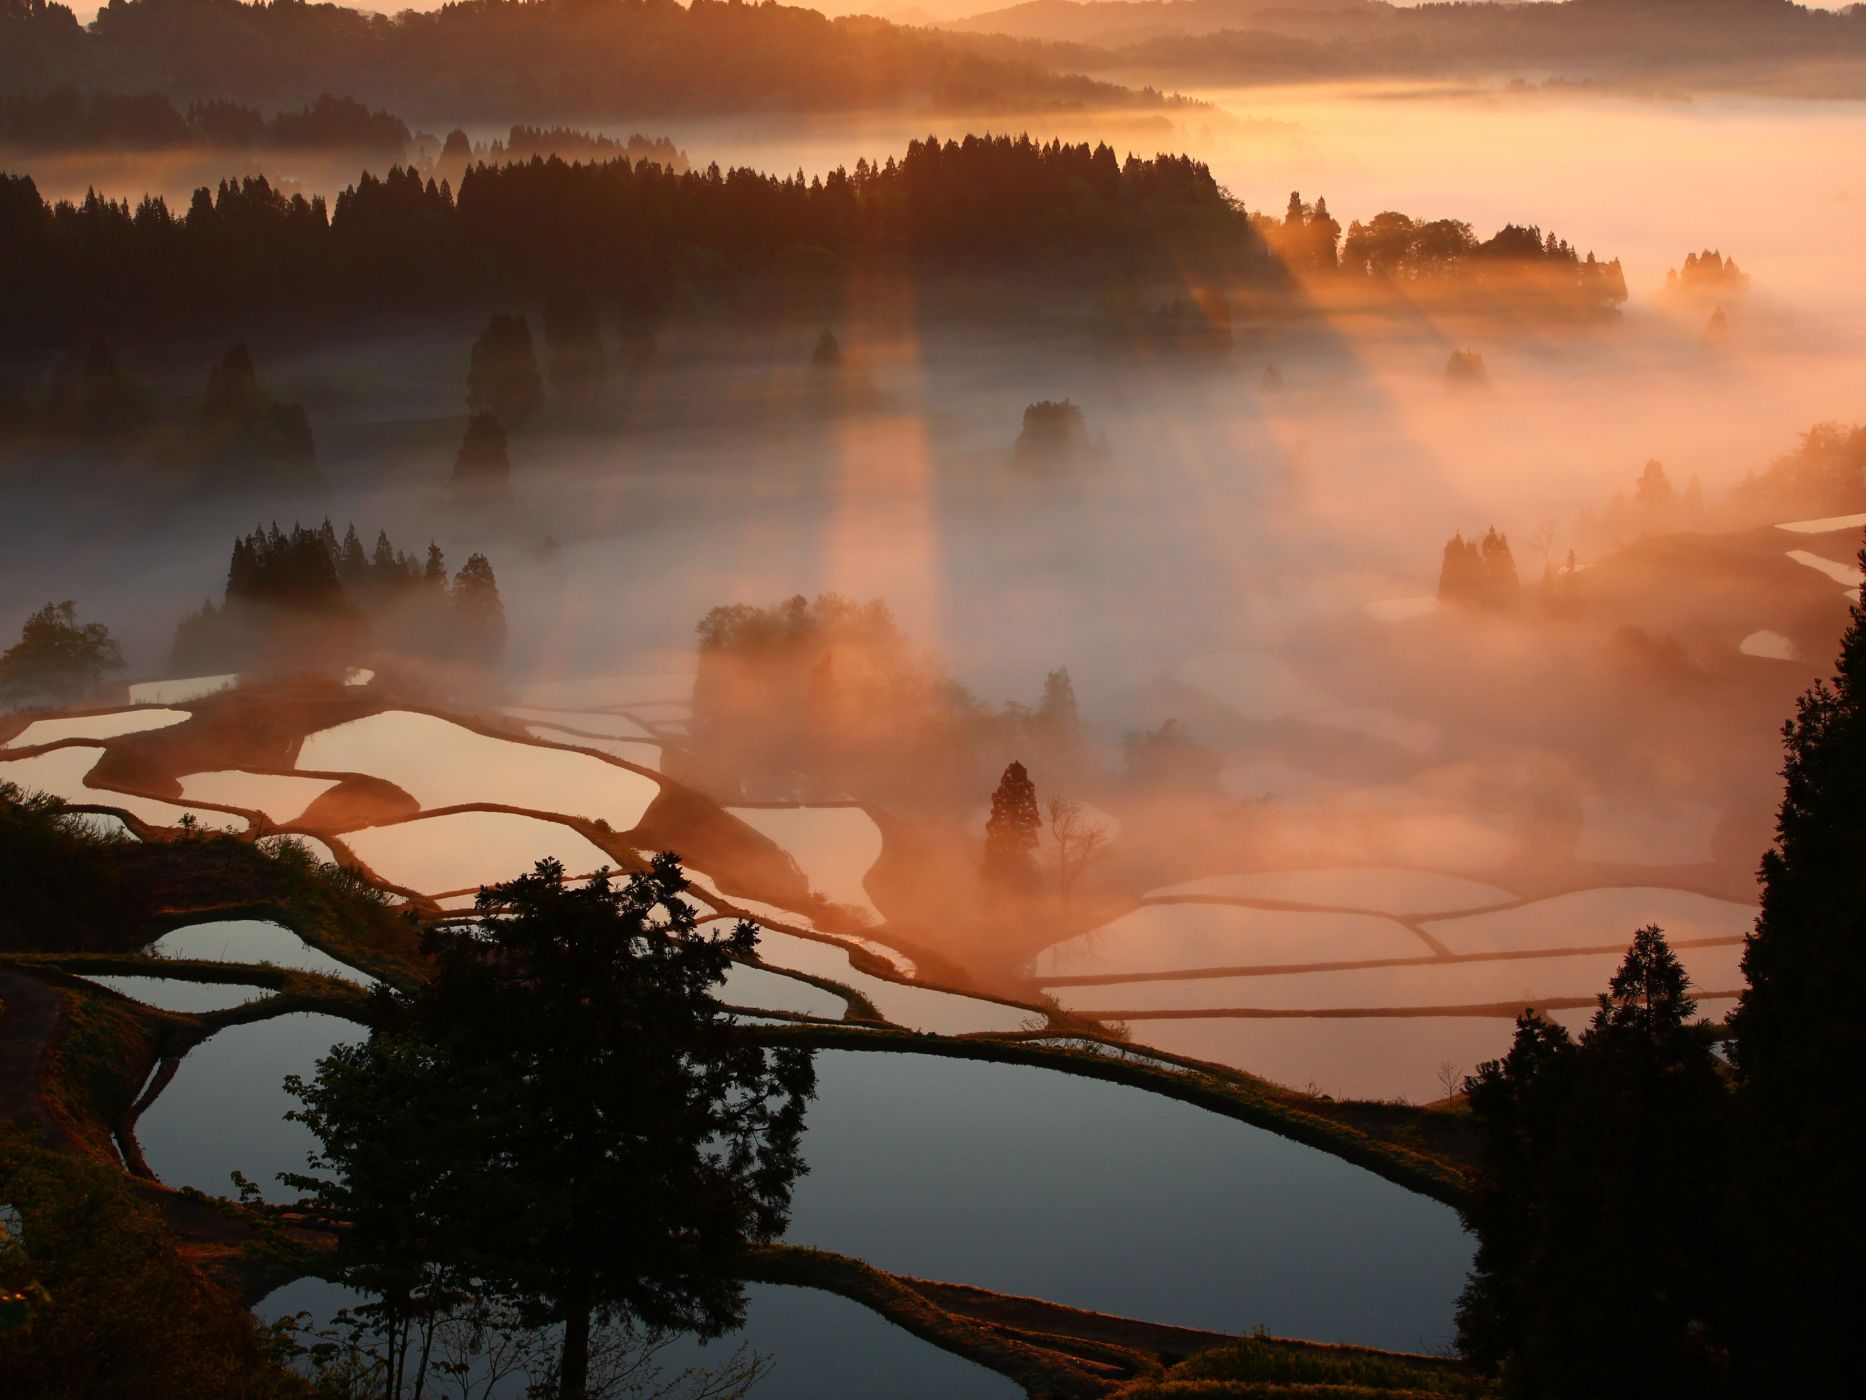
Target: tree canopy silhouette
[
  {"x": 1603, "y": 1161},
  {"x": 1012, "y": 832},
  {"x": 563, "y": 1117},
  {"x": 1798, "y": 1043},
  {"x": 58, "y": 658}
]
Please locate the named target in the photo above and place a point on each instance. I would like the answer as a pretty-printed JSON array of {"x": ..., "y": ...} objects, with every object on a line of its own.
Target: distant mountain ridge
[
  {"x": 1759, "y": 46},
  {"x": 499, "y": 60}
]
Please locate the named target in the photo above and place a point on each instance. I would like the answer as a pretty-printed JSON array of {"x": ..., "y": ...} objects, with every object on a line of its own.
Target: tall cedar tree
[
  {"x": 1800, "y": 1048},
  {"x": 502, "y": 377},
  {"x": 608, "y": 1141},
  {"x": 1604, "y": 1164},
  {"x": 483, "y": 466},
  {"x": 1012, "y": 832},
  {"x": 478, "y": 614}
]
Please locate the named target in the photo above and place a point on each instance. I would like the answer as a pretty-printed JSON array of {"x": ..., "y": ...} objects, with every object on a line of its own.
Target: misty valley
[{"x": 1133, "y": 698}]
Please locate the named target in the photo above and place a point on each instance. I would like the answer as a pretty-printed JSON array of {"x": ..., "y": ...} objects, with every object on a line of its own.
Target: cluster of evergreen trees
[
  {"x": 834, "y": 687},
  {"x": 1708, "y": 274},
  {"x": 1824, "y": 475},
  {"x": 523, "y": 142},
  {"x": 1515, "y": 258},
  {"x": 306, "y": 599},
  {"x": 1653, "y": 1220},
  {"x": 1479, "y": 572},
  {"x": 614, "y": 229},
  {"x": 66, "y": 119}
]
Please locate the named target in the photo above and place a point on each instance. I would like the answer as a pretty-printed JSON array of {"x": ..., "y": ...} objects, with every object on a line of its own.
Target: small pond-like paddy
[
  {"x": 224, "y": 1111},
  {"x": 1382, "y": 889},
  {"x": 253, "y": 941},
  {"x": 463, "y": 850},
  {"x": 1596, "y": 918},
  {"x": 1102, "y": 1196},
  {"x": 1522, "y": 980},
  {"x": 916, "y": 1008},
  {"x": 819, "y": 1344},
  {"x": 63, "y": 773},
  {"x": 113, "y": 725},
  {"x": 835, "y": 847},
  {"x": 1176, "y": 937},
  {"x": 281, "y": 796},
  {"x": 443, "y": 764},
  {"x": 181, "y": 994}
]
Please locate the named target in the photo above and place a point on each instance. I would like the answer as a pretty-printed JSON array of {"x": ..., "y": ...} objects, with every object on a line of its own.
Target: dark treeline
[
  {"x": 1395, "y": 245},
  {"x": 613, "y": 229},
  {"x": 509, "y": 59},
  {"x": 623, "y": 233},
  {"x": 65, "y": 119},
  {"x": 305, "y": 599},
  {"x": 523, "y": 142}
]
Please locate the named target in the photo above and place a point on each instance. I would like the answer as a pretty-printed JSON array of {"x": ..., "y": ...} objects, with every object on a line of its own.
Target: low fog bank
[{"x": 1242, "y": 534}]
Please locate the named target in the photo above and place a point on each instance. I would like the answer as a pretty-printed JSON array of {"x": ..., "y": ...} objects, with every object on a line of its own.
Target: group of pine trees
[
  {"x": 1480, "y": 572},
  {"x": 1655, "y": 1220},
  {"x": 1515, "y": 258},
  {"x": 835, "y": 687},
  {"x": 619, "y": 231},
  {"x": 65, "y": 119},
  {"x": 304, "y": 599}
]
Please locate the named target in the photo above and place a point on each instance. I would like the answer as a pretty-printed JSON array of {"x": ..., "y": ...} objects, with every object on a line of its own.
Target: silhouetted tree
[
  {"x": 1602, "y": 1165},
  {"x": 478, "y": 615},
  {"x": 827, "y": 353},
  {"x": 1052, "y": 431},
  {"x": 608, "y": 1142},
  {"x": 482, "y": 465},
  {"x": 1799, "y": 1049},
  {"x": 58, "y": 658},
  {"x": 1481, "y": 572},
  {"x": 503, "y": 377},
  {"x": 1012, "y": 833},
  {"x": 250, "y": 439}
]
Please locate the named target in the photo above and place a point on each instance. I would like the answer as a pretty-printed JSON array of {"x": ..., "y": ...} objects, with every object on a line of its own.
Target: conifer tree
[
  {"x": 1799, "y": 1047},
  {"x": 1012, "y": 832},
  {"x": 478, "y": 614},
  {"x": 502, "y": 378},
  {"x": 483, "y": 466}
]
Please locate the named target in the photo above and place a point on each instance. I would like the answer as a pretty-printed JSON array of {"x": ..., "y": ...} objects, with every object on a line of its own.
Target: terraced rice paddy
[
  {"x": 443, "y": 764},
  {"x": 252, "y": 941},
  {"x": 111, "y": 725},
  {"x": 463, "y": 850}
]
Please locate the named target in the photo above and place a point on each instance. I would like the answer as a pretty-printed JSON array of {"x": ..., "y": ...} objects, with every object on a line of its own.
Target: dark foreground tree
[
  {"x": 1600, "y": 1272},
  {"x": 1800, "y": 1049},
  {"x": 58, "y": 658},
  {"x": 605, "y": 1142},
  {"x": 1012, "y": 832}
]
